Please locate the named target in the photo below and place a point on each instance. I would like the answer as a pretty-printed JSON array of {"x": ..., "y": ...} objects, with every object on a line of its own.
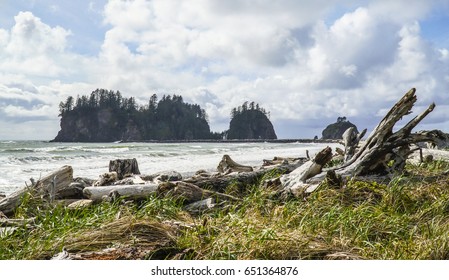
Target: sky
[{"x": 306, "y": 62}]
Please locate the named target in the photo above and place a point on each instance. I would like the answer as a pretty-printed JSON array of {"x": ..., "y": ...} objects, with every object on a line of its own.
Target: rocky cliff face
[
  {"x": 96, "y": 126},
  {"x": 336, "y": 130},
  {"x": 251, "y": 124}
]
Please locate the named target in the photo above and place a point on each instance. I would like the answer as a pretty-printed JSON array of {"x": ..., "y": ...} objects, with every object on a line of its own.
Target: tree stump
[{"x": 124, "y": 167}]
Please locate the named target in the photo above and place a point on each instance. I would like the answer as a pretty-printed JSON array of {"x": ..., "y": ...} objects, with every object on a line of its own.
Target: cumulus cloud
[{"x": 307, "y": 63}]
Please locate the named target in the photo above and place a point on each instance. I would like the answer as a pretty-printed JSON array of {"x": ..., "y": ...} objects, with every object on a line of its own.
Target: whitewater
[{"x": 22, "y": 160}]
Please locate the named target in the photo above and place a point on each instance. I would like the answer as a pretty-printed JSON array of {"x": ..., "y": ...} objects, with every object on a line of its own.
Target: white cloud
[{"x": 286, "y": 55}]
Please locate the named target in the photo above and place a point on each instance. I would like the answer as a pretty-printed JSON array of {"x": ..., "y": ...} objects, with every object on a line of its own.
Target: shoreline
[{"x": 303, "y": 140}]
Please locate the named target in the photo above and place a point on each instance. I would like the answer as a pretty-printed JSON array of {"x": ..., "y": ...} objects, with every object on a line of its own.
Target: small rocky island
[
  {"x": 336, "y": 130},
  {"x": 250, "y": 121}
]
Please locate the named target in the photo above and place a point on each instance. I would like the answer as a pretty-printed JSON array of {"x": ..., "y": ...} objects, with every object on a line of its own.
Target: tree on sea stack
[
  {"x": 250, "y": 121},
  {"x": 384, "y": 152}
]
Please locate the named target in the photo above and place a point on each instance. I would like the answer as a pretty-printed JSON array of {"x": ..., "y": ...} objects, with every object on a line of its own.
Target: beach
[{"x": 22, "y": 160}]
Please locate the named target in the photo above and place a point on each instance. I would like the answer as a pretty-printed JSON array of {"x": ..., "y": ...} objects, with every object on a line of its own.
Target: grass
[{"x": 407, "y": 218}]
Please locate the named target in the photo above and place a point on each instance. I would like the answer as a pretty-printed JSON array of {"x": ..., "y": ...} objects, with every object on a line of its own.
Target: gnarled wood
[
  {"x": 47, "y": 187},
  {"x": 297, "y": 178},
  {"x": 383, "y": 152},
  {"x": 351, "y": 140},
  {"x": 384, "y": 145},
  {"x": 227, "y": 165}
]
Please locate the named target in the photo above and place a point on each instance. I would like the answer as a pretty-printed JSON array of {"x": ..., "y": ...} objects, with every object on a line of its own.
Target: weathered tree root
[{"x": 384, "y": 152}]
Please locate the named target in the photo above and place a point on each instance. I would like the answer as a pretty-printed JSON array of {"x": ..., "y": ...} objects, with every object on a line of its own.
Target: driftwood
[
  {"x": 190, "y": 193},
  {"x": 440, "y": 139},
  {"x": 427, "y": 155},
  {"x": 219, "y": 182},
  {"x": 384, "y": 146},
  {"x": 107, "y": 179},
  {"x": 73, "y": 190},
  {"x": 124, "y": 167},
  {"x": 383, "y": 152},
  {"x": 163, "y": 176},
  {"x": 295, "y": 182},
  {"x": 129, "y": 191},
  {"x": 47, "y": 187},
  {"x": 227, "y": 165},
  {"x": 351, "y": 140}
]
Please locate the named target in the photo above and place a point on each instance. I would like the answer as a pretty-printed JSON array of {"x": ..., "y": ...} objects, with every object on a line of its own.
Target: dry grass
[{"x": 408, "y": 218}]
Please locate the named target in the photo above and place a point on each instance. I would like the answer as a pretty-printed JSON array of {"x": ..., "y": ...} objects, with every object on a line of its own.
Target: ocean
[{"x": 22, "y": 160}]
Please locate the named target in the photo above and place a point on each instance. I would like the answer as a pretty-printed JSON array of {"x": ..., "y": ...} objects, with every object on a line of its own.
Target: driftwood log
[
  {"x": 227, "y": 165},
  {"x": 384, "y": 146},
  {"x": 129, "y": 191},
  {"x": 384, "y": 151},
  {"x": 294, "y": 182},
  {"x": 351, "y": 140},
  {"x": 219, "y": 182},
  {"x": 46, "y": 187},
  {"x": 124, "y": 167}
]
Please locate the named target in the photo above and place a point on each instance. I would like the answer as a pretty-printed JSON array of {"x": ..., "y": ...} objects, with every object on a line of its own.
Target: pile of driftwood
[
  {"x": 382, "y": 154},
  {"x": 200, "y": 192}
]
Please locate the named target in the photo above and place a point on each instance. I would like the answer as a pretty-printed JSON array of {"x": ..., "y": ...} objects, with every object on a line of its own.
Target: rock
[
  {"x": 336, "y": 130},
  {"x": 251, "y": 124}
]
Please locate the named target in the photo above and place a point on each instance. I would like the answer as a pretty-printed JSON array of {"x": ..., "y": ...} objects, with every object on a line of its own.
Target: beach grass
[{"x": 406, "y": 218}]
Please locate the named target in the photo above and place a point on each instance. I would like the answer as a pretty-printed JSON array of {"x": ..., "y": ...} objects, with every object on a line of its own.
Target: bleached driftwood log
[
  {"x": 130, "y": 191},
  {"x": 227, "y": 165},
  {"x": 47, "y": 187},
  {"x": 419, "y": 156},
  {"x": 295, "y": 182},
  {"x": 383, "y": 145},
  {"x": 383, "y": 152},
  {"x": 440, "y": 139},
  {"x": 351, "y": 140},
  {"x": 124, "y": 167}
]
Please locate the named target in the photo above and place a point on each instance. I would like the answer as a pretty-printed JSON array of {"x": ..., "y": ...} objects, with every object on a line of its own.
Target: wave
[{"x": 18, "y": 150}]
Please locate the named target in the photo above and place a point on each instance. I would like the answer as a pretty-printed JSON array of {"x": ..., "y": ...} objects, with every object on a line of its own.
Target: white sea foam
[{"x": 22, "y": 160}]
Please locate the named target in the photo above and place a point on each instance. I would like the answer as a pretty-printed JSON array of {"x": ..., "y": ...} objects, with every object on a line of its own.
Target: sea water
[{"x": 22, "y": 160}]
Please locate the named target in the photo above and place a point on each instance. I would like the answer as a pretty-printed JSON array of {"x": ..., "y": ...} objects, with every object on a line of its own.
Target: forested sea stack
[
  {"x": 250, "y": 121},
  {"x": 106, "y": 116},
  {"x": 336, "y": 130}
]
